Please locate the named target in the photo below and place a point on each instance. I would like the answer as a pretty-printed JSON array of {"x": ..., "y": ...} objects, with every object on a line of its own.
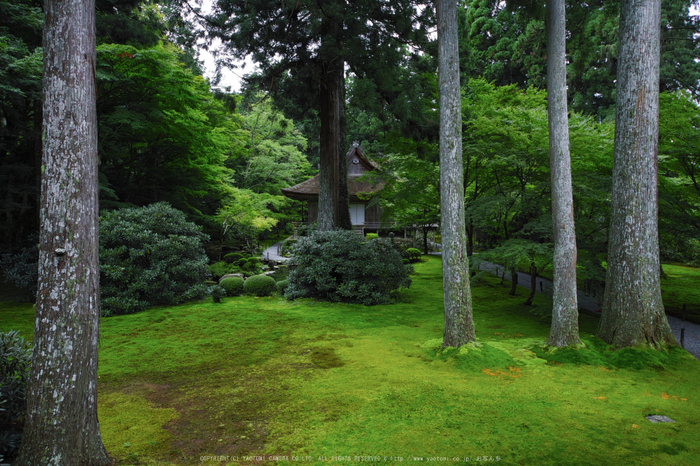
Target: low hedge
[
  {"x": 232, "y": 285},
  {"x": 260, "y": 285}
]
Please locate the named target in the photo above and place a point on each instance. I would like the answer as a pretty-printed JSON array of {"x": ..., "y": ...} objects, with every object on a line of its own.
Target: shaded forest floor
[{"x": 203, "y": 383}]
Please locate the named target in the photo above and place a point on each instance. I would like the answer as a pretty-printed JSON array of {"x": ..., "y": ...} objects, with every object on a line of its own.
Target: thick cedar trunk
[
  {"x": 61, "y": 425},
  {"x": 633, "y": 312},
  {"x": 564, "y": 330},
  {"x": 344, "y": 221},
  {"x": 459, "y": 325},
  {"x": 329, "y": 170},
  {"x": 331, "y": 201},
  {"x": 513, "y": 281}
]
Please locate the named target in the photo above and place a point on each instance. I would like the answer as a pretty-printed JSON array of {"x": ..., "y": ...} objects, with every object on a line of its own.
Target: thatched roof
[{"x": 308, "y": 190}]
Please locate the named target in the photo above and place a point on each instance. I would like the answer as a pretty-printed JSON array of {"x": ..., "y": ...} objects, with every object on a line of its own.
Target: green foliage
[
  {"x": 15, "y": 362},
  {"x": 282, "y": 286},
  {"x": 232, "y": 285},
  {"x": 233, "y": 257},
  {"x": 218, "y": 293},
  {"x": 148, "y": 256},
  {"x": 221, "y": 268},
  {"x": 370, "y": 236},
  {"x": 413, "y": 254},
  {"x": 259, "y": 285},
  {"x": 338, "y": 266},
  {"x": 163, "y": 136},
  {"x": 21, "y": 269}
]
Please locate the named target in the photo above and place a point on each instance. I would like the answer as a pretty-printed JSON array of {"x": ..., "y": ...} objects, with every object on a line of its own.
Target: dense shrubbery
[
  {"x": 260, "y": 285},
  {"x": 338, "y": 266},
  {"x": 15, "y": 361},
  {"x": 148, "y": 256},
  {"x": 236, "y": 262},
  {"x": 21, "y": 269},
  {"x": 232, "y": 285}
]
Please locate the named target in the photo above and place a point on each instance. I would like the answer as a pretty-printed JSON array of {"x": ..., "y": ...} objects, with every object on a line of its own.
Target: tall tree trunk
[
  {"x": 633, "y": 312},
  {"x": 513, "y": 281},
  {"x": 564, "y": 330},
  {"x": 344, "y": 221},
  {"x": 61, "y": 425},
  {"x": 459, "y": 325},
  {"x": 330, "y": 100},
  {"x": 328, "y": 193},
  {"x": 533, "y": 285}
]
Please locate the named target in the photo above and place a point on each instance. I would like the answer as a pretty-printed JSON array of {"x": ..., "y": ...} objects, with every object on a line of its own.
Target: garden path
[
  {"x": 272, "y": 253},
  {"x": 691, "y": 341}
]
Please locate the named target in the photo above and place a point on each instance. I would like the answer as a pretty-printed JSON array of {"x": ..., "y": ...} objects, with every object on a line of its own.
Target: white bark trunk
[
  {"x": 633, "y": 312},
  {"x": 564, "y": 331},
  {"x": 459, "y": 325},
  {"x": 61, "y": 425}
]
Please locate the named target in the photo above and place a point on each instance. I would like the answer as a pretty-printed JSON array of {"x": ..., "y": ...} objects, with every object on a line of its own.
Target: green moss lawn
[{"x": 231, "y": 383}]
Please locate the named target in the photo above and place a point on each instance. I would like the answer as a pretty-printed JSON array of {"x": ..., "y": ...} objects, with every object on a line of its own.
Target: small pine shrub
[
  {"x": 260, "y": 285},
  {"x": 15, "y": 362},
  {"x": 242, "y": 262},
  {"x": 282, "y": 286},
  {"x": 232, "y": 285}
]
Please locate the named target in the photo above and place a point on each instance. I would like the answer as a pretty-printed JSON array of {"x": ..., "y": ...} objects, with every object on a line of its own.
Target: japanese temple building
[{"x": 359, "y": 192}]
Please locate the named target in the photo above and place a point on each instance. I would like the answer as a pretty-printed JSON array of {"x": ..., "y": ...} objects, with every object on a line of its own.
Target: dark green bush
[
  {"x": 233, "y": 257},
  {"x": 232, "y": 285},
  {"x": 338, "y": 266},
  {"x": 149, "y": 256},
  {"x": 219, "y": 269},
  {"x": 282, "y": 286},
  {"x": 15, "y": 362},
  {"x": 217, "y": 293},
  {"x": 242, "y": 262},
  {"x": 259, "y": 285},
  {"x": 21, "y": 269}
]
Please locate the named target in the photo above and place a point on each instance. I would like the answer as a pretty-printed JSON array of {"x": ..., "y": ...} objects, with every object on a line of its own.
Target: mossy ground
[{"x": 253, "y": 377}]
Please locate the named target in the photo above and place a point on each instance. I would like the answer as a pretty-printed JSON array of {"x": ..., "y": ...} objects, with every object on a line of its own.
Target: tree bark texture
[
  {"x": 633, "y": 312},
  {"x": 344, "y": 220},
  {"x": 564, "y": 330},
  {"x": 459, "y": 325},
  {"x": 330, "y": 101},
  {"x": 61, "y": 426}
]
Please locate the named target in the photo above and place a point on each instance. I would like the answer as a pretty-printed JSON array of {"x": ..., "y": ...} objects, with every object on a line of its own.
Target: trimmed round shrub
[
  {"x": 233, "y": 257},
  {"x": 413, "y": 254},
  {"x": 338, "y": 266},
  {"x": 282, "y": 286},
  {"x": 15, "y": 362},
  {"x": 150, "y": 256},
  {"x": 259, "y": 285},
  {"x": 232, "y": 285},
  {"x": 370, "y": 236}
]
